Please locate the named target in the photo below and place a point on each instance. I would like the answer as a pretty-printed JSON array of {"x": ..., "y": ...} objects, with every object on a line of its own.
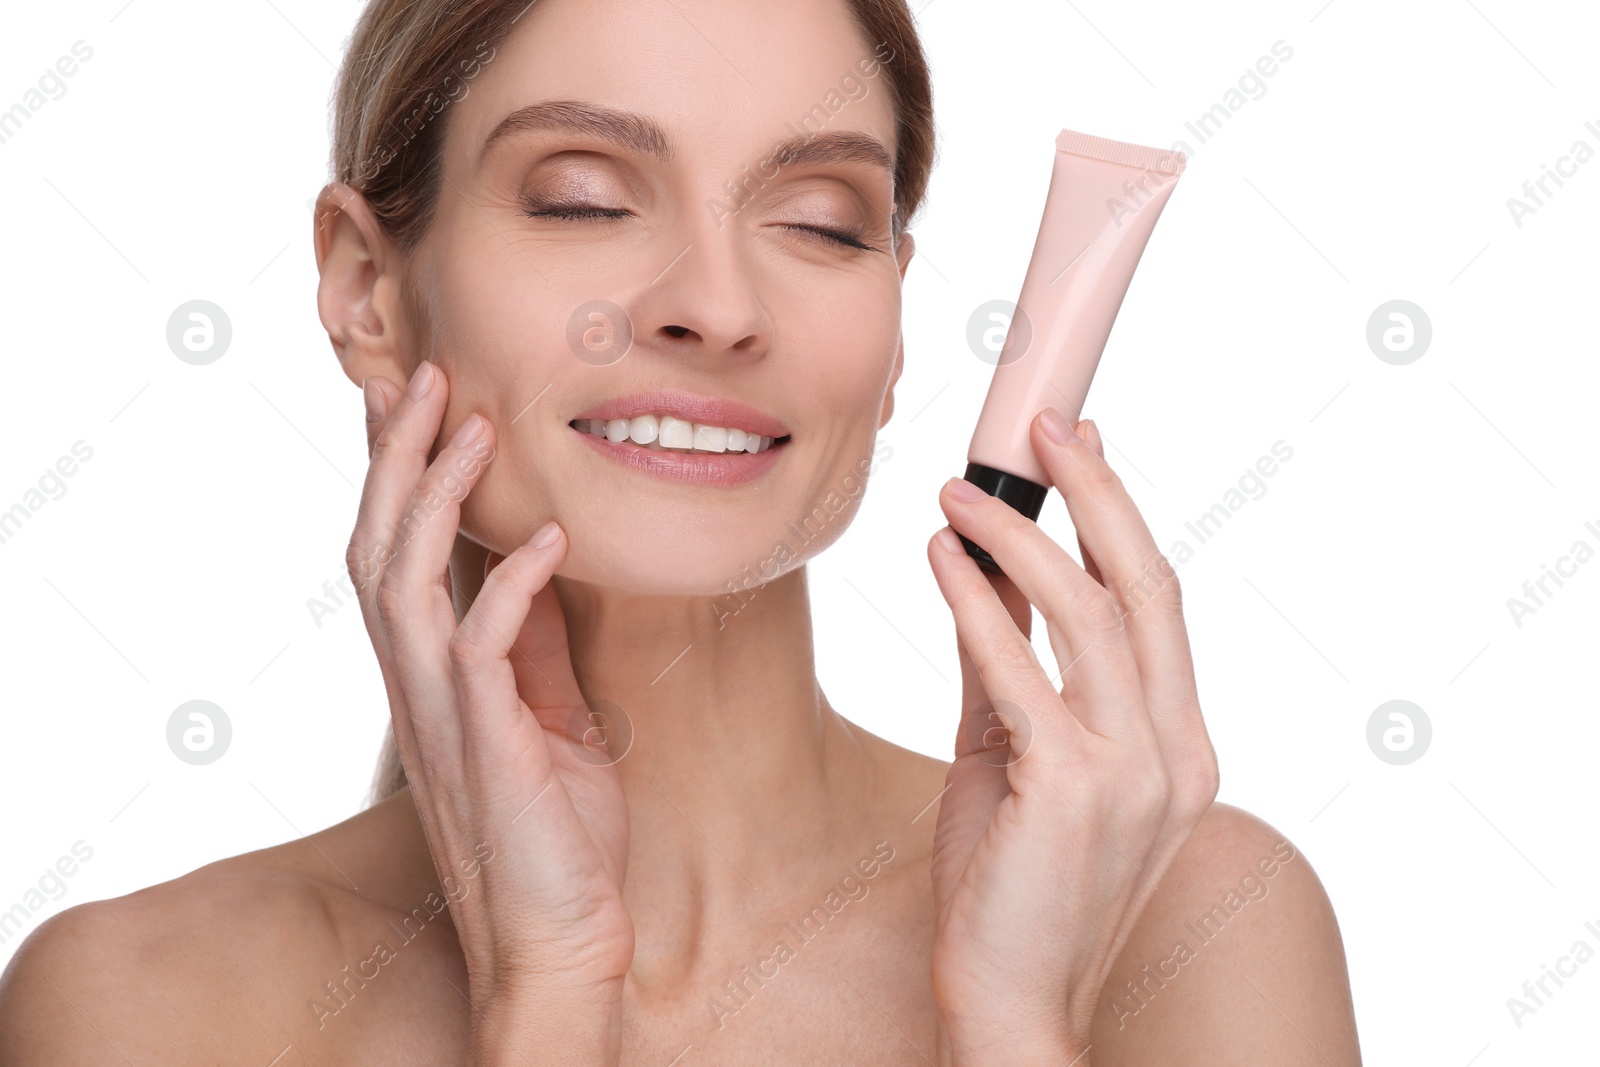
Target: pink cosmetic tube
[{"x": 1105, "y": 197}]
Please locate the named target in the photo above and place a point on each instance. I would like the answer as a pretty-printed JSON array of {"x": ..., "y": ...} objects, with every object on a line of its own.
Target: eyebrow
[
  {"x": 643, "y": 135},
  {"x": 624, "y": 129}
]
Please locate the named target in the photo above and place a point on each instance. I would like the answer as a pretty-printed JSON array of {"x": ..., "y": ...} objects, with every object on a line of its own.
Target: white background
[{"x": 1377, "y": 565}]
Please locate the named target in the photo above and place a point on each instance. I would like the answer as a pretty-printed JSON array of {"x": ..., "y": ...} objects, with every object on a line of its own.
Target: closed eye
[
  {"x": 589, "y": 211},
  {"x": 848, "y": 240},
  {"x": 576, "y": 211}
]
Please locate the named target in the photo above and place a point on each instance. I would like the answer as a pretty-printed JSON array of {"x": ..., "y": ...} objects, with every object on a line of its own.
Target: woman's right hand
[{"x": 516, "y": 800}]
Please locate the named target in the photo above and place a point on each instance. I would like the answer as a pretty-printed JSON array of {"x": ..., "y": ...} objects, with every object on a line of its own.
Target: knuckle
[
  {"x": 390, "y": 600},
  {"x": 1166, "y": 589},
  {"x": 1007, "y": 657},
  {"x": 1152, "y": 790},
  {"x": 1157, "y": 584},
  {"x": 1012, "y": 656},
  {"x": 466, "y": 654},
  {"x": 363, "y": 561},
  {"x": 1096, "y": 476},
  {"x": 1097, "y": 607},
  {"x": 388, "y": 442},
  {"x": 1207, "y": 779},
  {"x": 1195, "y": 788}
]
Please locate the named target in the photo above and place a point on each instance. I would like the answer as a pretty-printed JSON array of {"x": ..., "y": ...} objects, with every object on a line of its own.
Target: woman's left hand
[{"x": 1063, "y": 809}]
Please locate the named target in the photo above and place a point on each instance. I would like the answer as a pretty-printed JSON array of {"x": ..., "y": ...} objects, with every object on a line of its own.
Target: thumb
[{"x": 541, "y": 660}]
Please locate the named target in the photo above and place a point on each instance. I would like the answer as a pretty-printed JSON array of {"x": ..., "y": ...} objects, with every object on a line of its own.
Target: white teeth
[
  {"x": 664, "y": 432},
  {"x": 644, "y": 429},
  {"x": 676, "y": 433},
  {"x": 710, "y": 438}
]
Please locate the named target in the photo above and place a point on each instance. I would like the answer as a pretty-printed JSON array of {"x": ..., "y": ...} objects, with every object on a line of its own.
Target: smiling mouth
[{"x": 668, "y": 434}]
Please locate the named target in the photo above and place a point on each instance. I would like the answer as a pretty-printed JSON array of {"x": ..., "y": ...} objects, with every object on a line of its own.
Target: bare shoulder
[
  {"x": 1237, "y": 958},
  {"x": 217, "y": 965}
]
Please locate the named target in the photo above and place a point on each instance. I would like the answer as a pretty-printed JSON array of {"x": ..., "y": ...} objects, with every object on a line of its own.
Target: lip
[
  {"x": 732, "y": 469},
  {"x": 691, "y": 407}
]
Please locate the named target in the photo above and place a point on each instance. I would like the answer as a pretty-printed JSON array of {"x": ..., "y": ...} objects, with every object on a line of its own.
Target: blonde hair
[{"x": 408, "y": 60}]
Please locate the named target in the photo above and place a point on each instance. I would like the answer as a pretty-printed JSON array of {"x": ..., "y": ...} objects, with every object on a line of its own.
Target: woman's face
[{"x": 697, "y": 241}]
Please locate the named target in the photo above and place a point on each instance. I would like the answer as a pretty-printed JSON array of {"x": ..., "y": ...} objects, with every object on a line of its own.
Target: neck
[{"x": 738, "y": 774}]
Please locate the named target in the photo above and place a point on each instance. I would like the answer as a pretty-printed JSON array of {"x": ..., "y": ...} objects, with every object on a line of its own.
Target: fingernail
[
  {"x": 421, "y": 382},
  {"x": 467, "y": 432},
  {"x": 962, "y": 489},
  {"x": 949, "y": 541},
  {"x": 547, "y": 535},
  {"x": 377, "y": 406},
  {"x": 1055, "y": 426}
]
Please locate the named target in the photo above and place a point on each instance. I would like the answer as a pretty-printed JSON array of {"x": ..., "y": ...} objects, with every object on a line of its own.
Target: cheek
[
  {"x": 848, "y": 341},
  {"x": 501, "y": 346}
]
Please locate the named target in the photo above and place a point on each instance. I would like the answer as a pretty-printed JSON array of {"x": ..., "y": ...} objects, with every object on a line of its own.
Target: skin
[{"x": 1025, "y": 883}]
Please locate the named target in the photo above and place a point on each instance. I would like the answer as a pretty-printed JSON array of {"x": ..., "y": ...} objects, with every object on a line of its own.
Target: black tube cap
[{"x": 1023, "y": 495}]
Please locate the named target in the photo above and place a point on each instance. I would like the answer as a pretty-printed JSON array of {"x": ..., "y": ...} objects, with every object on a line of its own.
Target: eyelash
[{"x": 584, "y": 211}]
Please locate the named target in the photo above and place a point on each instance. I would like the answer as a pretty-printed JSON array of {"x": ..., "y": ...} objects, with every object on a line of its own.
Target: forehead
[{"x": 722, "y": 79}]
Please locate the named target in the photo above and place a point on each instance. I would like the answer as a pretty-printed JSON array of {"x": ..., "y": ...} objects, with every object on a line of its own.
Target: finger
[
  {"x": 379, "y": 395},
  {"x": 540, "y": 658},
  {"x": 414, "y": 594},
  {"x": 1070, "y": 692},
  {"x": 432, "y": 516},
  {"x": 1138, "y": 575},
  {"x": 391, "y": 476},
  {"x": 986, "y": 727},
  {"x": 1000, "y": 665},
  {"x": 399, "y": 456},
  {"x": 1090, "y": 433},
  {"x": 1083, "y": 620},
  {"x": 483, "y": 653}
]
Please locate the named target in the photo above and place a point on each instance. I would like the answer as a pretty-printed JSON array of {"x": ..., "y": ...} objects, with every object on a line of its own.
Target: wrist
[
  {"x": 514, "y": 1029},
  {"x": 1002, "y": 1043}
]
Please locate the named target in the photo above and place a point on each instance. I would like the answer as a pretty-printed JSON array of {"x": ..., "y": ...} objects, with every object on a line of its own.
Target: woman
[{"x": 631, "y": 828}]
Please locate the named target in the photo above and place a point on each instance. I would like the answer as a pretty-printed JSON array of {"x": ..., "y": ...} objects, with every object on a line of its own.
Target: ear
[
  {"x": 359, "y": 296},
  {"x": 903, "y": 252}
]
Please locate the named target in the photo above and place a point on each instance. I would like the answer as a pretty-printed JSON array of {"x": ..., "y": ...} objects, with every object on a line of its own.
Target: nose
[{"x": 704, "y": 301}]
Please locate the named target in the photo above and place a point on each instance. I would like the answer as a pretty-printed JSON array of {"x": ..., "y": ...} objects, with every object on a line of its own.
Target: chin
[{"x": 725, "y": 564}]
